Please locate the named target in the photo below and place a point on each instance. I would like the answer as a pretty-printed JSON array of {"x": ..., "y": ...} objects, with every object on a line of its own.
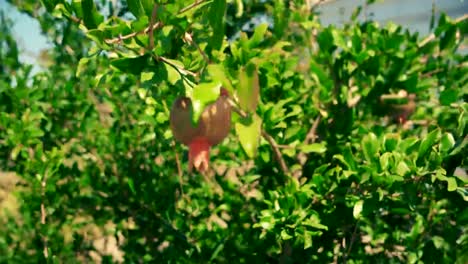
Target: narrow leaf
[
  {"x": 248, "y": 132},
  {"x": 136, "y": 8},
  {"x": 357, "y": 209},
  {"x": 314, "y": 148},
  {"x": 218, "y": 74},
  {"x": 249, "y": 88},
  {"x": 216, "y": 19}
]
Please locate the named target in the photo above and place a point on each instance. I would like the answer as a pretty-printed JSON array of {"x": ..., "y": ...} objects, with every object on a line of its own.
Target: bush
[{"x": 347, "y": 144}]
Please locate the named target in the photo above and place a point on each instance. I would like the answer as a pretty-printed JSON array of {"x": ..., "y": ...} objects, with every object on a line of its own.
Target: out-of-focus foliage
[{"x": 349, "y": 144}]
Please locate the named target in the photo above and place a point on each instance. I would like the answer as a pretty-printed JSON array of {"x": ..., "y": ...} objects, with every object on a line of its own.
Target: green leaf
[
  {"x": 451, "y": 184},
  {"x": 131, "y": 185},
  {"x": 203, "y": 94},
  {"x": 402, "y": 168},
  {"x": 314, "y": 148},
  {"x": 357, "y": 209},
  {"x": 258, "y": 35},
  {"x": 81, "y": 66},
  {"x": 370, "y": 146},
  {"x": 449, "y": 96},
  {"x": 307, "y": 240},
  {"x": 49, "y": 4},
  {"x": 427, "y": 143},
  {"x": 285, "y": 235},
  {"x": 249, "y": 88},
  {"x": 133, "y": 65},
  {"x": 136, "y": 7},
  {"x": 172, "y": 74},
  {"x": 248, "y": 131},
  {"x": 218, "y": 74},
  {"x": 447, "y": 142},
  {"x": 385, "y": 160},
  {"x": 91, "y": 17},
  {"x": 216, "y": 19}
]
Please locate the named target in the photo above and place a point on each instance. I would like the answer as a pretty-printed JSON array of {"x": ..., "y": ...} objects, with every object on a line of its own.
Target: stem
[{"x": 44, "y": 239}]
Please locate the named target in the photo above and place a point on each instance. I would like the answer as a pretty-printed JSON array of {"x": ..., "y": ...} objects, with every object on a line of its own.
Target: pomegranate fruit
[{"x": 213, "y": 126}]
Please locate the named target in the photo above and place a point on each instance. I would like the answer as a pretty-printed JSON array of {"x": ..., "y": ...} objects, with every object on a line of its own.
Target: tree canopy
[{"x": 348, "y": 144}]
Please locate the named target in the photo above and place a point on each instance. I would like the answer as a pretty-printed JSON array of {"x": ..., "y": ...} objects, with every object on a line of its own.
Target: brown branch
[
  {"x": 309, "y": 139},
  {"x": 44, "y": 239},
  {"x": 194, "y": 4},
  {"x": 178, "y": 68},
  {"x": 131, "y": 35},
  {"x": 266, "y": 136},
  {"x": 430, "y": 73},
  {"x": 460, "y": 19},
  {"x": 353, "y": 238},
  {"x": 151, "y": 29},
  {"x": 75, "y": 19},
  {"x": 179, "y": 167},
  {"x": 276, "y": 151},
  {"x": 312, "y": 134},
  {"x": 189, "y": 39}
]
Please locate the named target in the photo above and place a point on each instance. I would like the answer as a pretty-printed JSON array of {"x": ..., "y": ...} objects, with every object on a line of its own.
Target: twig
[
  {"x": 150, "y": 32},
  {"x": 460, "y": 19},
  {"x": 266, "y": 136},
  {"x": 430, "y": 73},
  {"x": 189, "y": 39},
  {"x": 310, "y": 138},
  {"x": 194, "y": 4},
  {"x": 131, "y": 35},
  {"x": 278, "y": 155},
  {"x": 44, "y": 215},
  {"x": 179, "y": 168},
  {"x": 312, "y": 134},
  {"x": 353, "y": 238},
  {"x": 75, "y": 19},
  {"x": 178, "y": 68}
]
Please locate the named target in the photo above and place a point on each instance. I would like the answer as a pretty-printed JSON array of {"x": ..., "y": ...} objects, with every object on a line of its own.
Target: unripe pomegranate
[{"x": 213, "y": 126}]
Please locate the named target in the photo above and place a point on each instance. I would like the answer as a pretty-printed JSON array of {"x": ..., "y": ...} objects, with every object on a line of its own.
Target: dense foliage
[{"x": 348, "y": 144}]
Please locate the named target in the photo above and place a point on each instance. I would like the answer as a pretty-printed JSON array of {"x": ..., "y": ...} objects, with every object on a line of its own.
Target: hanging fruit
[{"x": 213, "y": 126}]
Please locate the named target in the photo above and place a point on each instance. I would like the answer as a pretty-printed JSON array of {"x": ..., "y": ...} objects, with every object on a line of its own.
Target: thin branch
[
  {"x": 44, "y": 215},
  {"x": 460, "y": 19},
  {"x": 193, "y": 5},
  {"x": 131, "y": 35},
  {"x": 430, "y": 73},
  {"x": 266, "y": 136},
  {"x": 150, "y": 32},
  {"x": 310, "y": 138},
  {"x": 179, "y": 168},
  {"x": 173, "y": 65},
  {"x": 189, "y": 39},
  {"x": 353, "y": 238},
  {"x": 278, "y": 155},
  {"x": 75, "y": 19},
  {"x": 312, "y": 134}
]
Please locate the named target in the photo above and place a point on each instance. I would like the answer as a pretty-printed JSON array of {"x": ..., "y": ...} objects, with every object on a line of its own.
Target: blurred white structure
[{"x": 412, "y": 14}]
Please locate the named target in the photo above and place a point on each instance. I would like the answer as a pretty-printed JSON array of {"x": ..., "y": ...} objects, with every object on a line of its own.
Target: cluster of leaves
[{"x": 319, "y": 167}]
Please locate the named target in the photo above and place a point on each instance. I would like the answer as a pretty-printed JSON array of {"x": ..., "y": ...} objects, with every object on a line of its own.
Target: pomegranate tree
[{"x": 213, "y": 126}]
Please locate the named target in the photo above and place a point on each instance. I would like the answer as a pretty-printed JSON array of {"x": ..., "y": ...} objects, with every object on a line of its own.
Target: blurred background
[{"x": 414, "y": 15}]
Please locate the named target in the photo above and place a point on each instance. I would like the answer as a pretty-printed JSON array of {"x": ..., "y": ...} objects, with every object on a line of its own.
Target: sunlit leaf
[{"x": 249, "y": 131}]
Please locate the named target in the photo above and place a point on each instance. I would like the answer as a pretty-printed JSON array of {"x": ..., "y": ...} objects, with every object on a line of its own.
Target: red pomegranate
[{"x": 213, "y": 126}]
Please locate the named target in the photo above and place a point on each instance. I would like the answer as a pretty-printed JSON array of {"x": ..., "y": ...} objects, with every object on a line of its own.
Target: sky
[
  {"x": 27, "y": 33},
  {"x": 412, "y": 14}
]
